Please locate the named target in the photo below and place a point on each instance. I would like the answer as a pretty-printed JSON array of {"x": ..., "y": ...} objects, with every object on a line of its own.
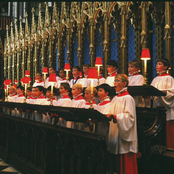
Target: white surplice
[
  {"x": 77, "y": 102},
  {"x": 110, "y": 79},
  {"x": 40, "y": 83},
  {"x": 165, "y": 82},
  {"x": 47, "y": 83},
  {"x": 137, "y": 80},
  {"x": 19, "y": 99},
  {"x": 74, "y": 81},
  {"x": 11, "y": 98},
  {"x": 64, "y": 80},
  {"x": 122, "y": 137}
]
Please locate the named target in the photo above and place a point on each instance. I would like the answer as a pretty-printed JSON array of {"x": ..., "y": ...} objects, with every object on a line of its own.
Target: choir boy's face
[
  {"x": 37, "y": 92},
  {"x": 38, "y": 76},
  {"x": 11, "y": 90},
  {"x": 87, "y": 95},
  {"x": 85, "y": 70},
  {"x": 33, "y": 92},
  {"x": 62, "y": 90},
  {"x": 19, "y": 91},
  {"x": 51, "y": 71},
  {"x": 119, "y": 85},
  {"x": 28, "y": 93},
  {"x": 110, "y": 68},
  {"x": 160, "y": 67},
  {"x": 61, "y": 74},
  {"x": 101, "y": 93},
  {"x": 75, "y": 91},
  {"x": 75, "y": 72},
  {"x": 132, "y": 69},
  {"x": 48, "y": 94}
]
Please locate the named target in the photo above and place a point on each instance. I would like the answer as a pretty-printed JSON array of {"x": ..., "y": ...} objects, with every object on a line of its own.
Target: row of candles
[{"x": 93, "y": 73}]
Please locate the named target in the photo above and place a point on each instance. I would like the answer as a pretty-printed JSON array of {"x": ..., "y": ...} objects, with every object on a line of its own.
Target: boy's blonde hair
[
  {"x": 123, "y": 78},
  {"x": 89, "y": 90},
  {"x": 13, "y": 87},
  {"x": 78, "y": 86}
]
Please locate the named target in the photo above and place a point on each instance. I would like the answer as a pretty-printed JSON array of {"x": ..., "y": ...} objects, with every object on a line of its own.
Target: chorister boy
[
  {"x": 76, "y": 76},
  {"x": 62, "y": 75},
  {"x": 12, "y": 94},
  {"x": 165, "y": 83},
  {"x": 84, "y": 80},
  {"x": 136, "y": 79},
  {"x": 47, "y": 83},
  {"x": 122, "y": 139},
  {"x": 64, "y": 100},
  {"x": 112, "y": 71},
  {"x": 39, "y": 81},
  {"x": 104, "y": 91},
  {"x": 77, "y": 102}
]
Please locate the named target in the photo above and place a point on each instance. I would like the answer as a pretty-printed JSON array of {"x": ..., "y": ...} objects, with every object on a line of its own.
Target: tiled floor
[{"x": 7, "y": 169}]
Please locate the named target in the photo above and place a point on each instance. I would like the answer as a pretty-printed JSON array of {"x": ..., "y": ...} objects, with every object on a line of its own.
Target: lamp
[
  {"x": 26, "y": 80},
  {"x": 52, "y": 79},
  {"x": 27, "y": 73},
  {"x": 145, "y": 55},
  {"x": 98, "y": 63},
  {"x": 7, "y": 83},
  {"x": 92, "y": 74},
  {"x": 67, "y": 68},
  {"x": 44, "y": 72}
]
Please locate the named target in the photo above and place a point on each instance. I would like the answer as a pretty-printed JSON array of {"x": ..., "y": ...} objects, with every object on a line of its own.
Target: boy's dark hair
[
  {"x": 112, "y": 62},
  {"x": 61, "y": 69},
  {"x": 76, "y": 67},
  {"x": 87, "y": 65},
  {"x": 52, "y": 67},
  {"x": 106, "y": 87},
  {"x": 20, "y": 87},
  {"x": 39, "y": 73},
  {"x": 49, "y": 89},
  {"x": 41, "y": 88},
  {"x": 136, "y": 63},
  {"x": 29, "y": 88},
  {"x": 166, "y": 62},
  {"x": 66, "y": 86}
]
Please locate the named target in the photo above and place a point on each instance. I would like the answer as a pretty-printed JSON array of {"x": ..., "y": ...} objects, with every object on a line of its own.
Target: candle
[{"x": 92, "y": 86}]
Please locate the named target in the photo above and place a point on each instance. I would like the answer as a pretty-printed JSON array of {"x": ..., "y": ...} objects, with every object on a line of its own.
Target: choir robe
[
  {"x": 40, "y": 83},
  {"x": 166, "y": 82},
  {"x": 137, "y": 80},
  {"x": 87, "y": 126},
  {"x": 11, "y": 98},
  {"x": 31, "y": 100},
  {"x": 74, "y": 80},
  {"x": 19, "y": 99},
  {"x": 103, "y": 127},
  {"x": 77, "y": 102},
  {"x": 122, "y": 139},
  {"x": 47, "y": 83},
  {"x": 41, "y": 100},
  {"x": 84, "y": 81},
  {"x": 64, "y": 80},
  {"x": 46, "y": 118},
  {"x": 63, "y": 101},
  {"x": 110, "y": 79}
]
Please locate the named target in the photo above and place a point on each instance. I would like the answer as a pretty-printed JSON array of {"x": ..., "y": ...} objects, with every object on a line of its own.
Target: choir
[{"x": 121, "y": 131}]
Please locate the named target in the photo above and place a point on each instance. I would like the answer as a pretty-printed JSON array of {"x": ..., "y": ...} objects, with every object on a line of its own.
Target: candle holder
[
  {"x": 67, "y": 69},
  {"x": 7, "y": 83},
  {"x": 98, "y": 63},
  {"x": 52, "y": 79},
  {"x": 92, "y": 74},
  {"x": 145, "y": 56},
  {"x": 44, "y": 72},
  {"x": 26, "y": 80}
]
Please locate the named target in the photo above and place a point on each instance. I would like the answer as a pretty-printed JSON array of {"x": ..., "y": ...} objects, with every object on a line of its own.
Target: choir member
[
  {"x": 165, "y": 83},
  {"x": 40, "y": 100},
  {"x": 84, "y": 80},
  {"x": 63, "y": 101},
  {"x": 104, "y": 91},
  {"x": 39, "y": 81},
  {"x": 88, "y": 126},
  {"x": 136, "y": 79},
  {"x": 47, "y": 83},
  {"x": 112, "y": 71},
  {"x": 11, "y": 98},
  {"x": 122, "y": 139},
  {"x": 76, "y": 76},
  {"x": 77, "y": 102},
  {"x": 62, "y": 76}
]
